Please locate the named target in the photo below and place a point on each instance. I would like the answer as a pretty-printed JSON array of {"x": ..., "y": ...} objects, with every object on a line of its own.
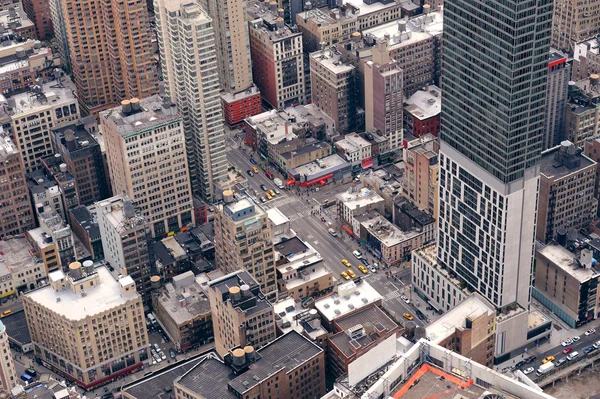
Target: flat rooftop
[
  {"x": 195, "y": 302},
  {"x": 86, "y": 220},
  {"x": 289, "y": 315},
  {"x": 331, "y": 59},
  {"x": 291, "y": 247},
  {"x": 16, "y": 327},
  {"x": 277, "y": 217},
  {"x": 309, "y": 273},
  {"x": 472, "y": 307},
  {"x": 554, "y": 168},
  {"x": 352, "y": 142},
  {"x": 375, "y": 324},
  {"x": 330, "y": 162},
  {"x": 349, "y": 297},
  {"x": 359, "y": 199},
  {"x": 160, "y": 384},
  {"x": 425, "y": 104},
  {"x": 51, "y": 94},
  {"x": 419, "y": 28},
  {"x": 73, "y": 306},
  {"x": 213, "y": 379},
  {"x": 7, "y": 147},
  {"x": 16, "y": 253},
  {"x": 305, "y": 149},
  {"x": 154, "y": 111},
  {"x": 426, "y": 382},
  {"x": 386, "y": 232},
  {"x": 233, "y": 97},
  {"x": 567, "y": 261},
  {"x": 364, "y": 8}
]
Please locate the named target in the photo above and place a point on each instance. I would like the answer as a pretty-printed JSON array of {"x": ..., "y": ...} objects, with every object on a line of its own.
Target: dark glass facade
[{"x": 495, "y": 67}]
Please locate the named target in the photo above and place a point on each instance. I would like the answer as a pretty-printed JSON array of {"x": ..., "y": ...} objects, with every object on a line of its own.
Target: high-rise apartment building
[
  {"x": 125, "y": 241},
  {"x": 383, "y": 95},
  {"x": 566, "y": 199},
  {"x": 493, "y": 121},
  {"x": 421, "y": 175},
  {"x": 243, "y": 240},
  {"x": 110, "y": 47},
  {"x": 231, "y": 43},
  {"x": 87, "y": 325},
  {"x": 59, "y": 26},
  {"x": 277, "y": 60},
  {"x": 335, "y": 88},
  {"x": 574, "y": 21},
  {"x": 583, "y": 111},
  {"x": 190, "y": 69},
  {"x": 38, "y": 12},
  {"x": 17, "y": 215},
  {"x": 241, "y": 314},
  {"x": 559, "y": 74},
  {"x": 8, "y": 374},
  {"x": 145, "y": 150}
]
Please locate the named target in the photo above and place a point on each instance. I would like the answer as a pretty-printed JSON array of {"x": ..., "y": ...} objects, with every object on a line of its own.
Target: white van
[{"x": 573, "y": 355}]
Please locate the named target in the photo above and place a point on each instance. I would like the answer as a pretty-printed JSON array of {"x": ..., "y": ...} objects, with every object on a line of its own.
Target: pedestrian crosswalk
[
  {"x": 392, "y": 295},
  {"x": 296, "y": 216},
  {"x": 371, "y": 278}
]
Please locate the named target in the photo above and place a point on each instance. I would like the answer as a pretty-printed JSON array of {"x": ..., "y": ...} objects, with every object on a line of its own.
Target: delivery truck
[
  {"x": 544, "y": 368},
  {"x": 278, "y": 182}
]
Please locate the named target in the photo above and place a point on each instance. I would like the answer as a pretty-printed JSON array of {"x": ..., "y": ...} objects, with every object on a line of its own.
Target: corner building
[
  {"x": 87, "y": 326},
  {"x": 491, "y": 137}
]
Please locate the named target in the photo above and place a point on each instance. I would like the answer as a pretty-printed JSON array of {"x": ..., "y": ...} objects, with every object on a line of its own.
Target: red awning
[
  {"x": 322, "y": 180},
  {"x": 366, "y": 165},
  {"x": 290, "y": 182},
  {"x": 348, "y": 230}
]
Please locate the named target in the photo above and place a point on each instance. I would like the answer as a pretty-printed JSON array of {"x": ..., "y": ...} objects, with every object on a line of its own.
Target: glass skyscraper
[{"x": 495, "y": 67}]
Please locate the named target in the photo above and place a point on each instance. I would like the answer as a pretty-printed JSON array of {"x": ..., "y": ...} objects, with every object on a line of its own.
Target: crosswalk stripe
[{"x": 391, "y": 295}]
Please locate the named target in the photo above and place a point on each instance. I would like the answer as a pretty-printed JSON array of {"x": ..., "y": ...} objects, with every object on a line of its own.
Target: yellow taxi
[
  {"x": 255, "y": 169},
  {"x": 272, "y": 193},
  {"x": 6, "y": 313},
  {"x": 351, "y": 273},
  {"x": 268, "y": 196},
  {"x": 363, "y": 269},
  {"x": 548, "y": 359},
  {"x": 345, "y": 275},
  {"x": 346, "y": 263},
  {"x": 407, "y": 316}
]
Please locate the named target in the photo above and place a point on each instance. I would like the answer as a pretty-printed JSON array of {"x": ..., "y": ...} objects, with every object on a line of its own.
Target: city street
[{"x": 297, "y": 207}]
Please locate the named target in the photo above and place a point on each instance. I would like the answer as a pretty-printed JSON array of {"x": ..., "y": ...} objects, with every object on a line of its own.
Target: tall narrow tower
[
  {"x": 495, "y": 60},
  {"x": 186, "y": 40},
  {"x": 232, "y": 43}
]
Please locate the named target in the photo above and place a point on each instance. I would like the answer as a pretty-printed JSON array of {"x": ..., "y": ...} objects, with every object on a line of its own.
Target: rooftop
[
  {"x": 290, "y": 315},
  {"x": 18, "y": 254},
  {"x": 35, "y": 54},
  {"x": 385, "y": 231},
  {"x": 362, "y": 9},
  {"x": 159, "y": 384},
  {"x": 332, "y": 60},
  {"x": 153, "y": 111},
  {"x": 361, "y": 329},
  {"x": 269, "y": 24},
  {"x": 276, "y": 125},
  {"x": 277, "y": 217},
  {"x": 184, "y": 302},
  {"x": 472, "y": 307},
  {"x": 50, "y": 94},
  {"x": 425, "y": 104},
  {"x": 73, "y": 306},
  {"x": 233, "y": 97},
  {"x": 329, "y": 162},
  {"x": 250, "y": 302},
  {"x": 352, "y": 142},
  {"x": 214, "y": 379},
  {"x": 291, "y": 247},
  {"x": 359, "y": 199},
  {"x": 349, "y": 297},
  {"x": 591, "y": 45},
  {"x": 118, "y": 216},
  {"x": 563, "y": 160},
  {"x": 7, "y": 147},
  {"x": 305, "y": 274},
  {"x": 567, "y": 261},
  {"x": 419, "y": 28},
  {"x": 16, "y": 327},
  {"x": 305, "y": 149},
  {"x": 20, "y": 19},
  {"x": 86, "y": 220},
  {"x": 78, "y": 135}
]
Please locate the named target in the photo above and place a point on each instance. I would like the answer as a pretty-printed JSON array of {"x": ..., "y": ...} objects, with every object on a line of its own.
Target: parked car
[
  {"x": 590, "y": 332},
  {"x": 277, "y": 191},
  {"x": 162, "y": 355},
  {"x": 573, "y": 355},
  {"x": 172, "y": 353},
  {"x": 567, "y": 342},
  {"x": 597, "y": 344},
  {"x": 589, "y": 349},
  {"x": 405, "y": 299},
  {"x": 357, "y": 254},
  {"x": 567, "y": 350},
  {"x": 575, "y": 339},
  {"x": 6, "y": 313},
  {"x": 365, "y": 261},
  {"x": 108, "y": 395},
  {"x": 252, "y": 161},
  {"x": 263, "y": 187},
  {"x": 250, "y": 173},
  {"x": 372, "y": 269},
  {"x": 31, "y": 371}
]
